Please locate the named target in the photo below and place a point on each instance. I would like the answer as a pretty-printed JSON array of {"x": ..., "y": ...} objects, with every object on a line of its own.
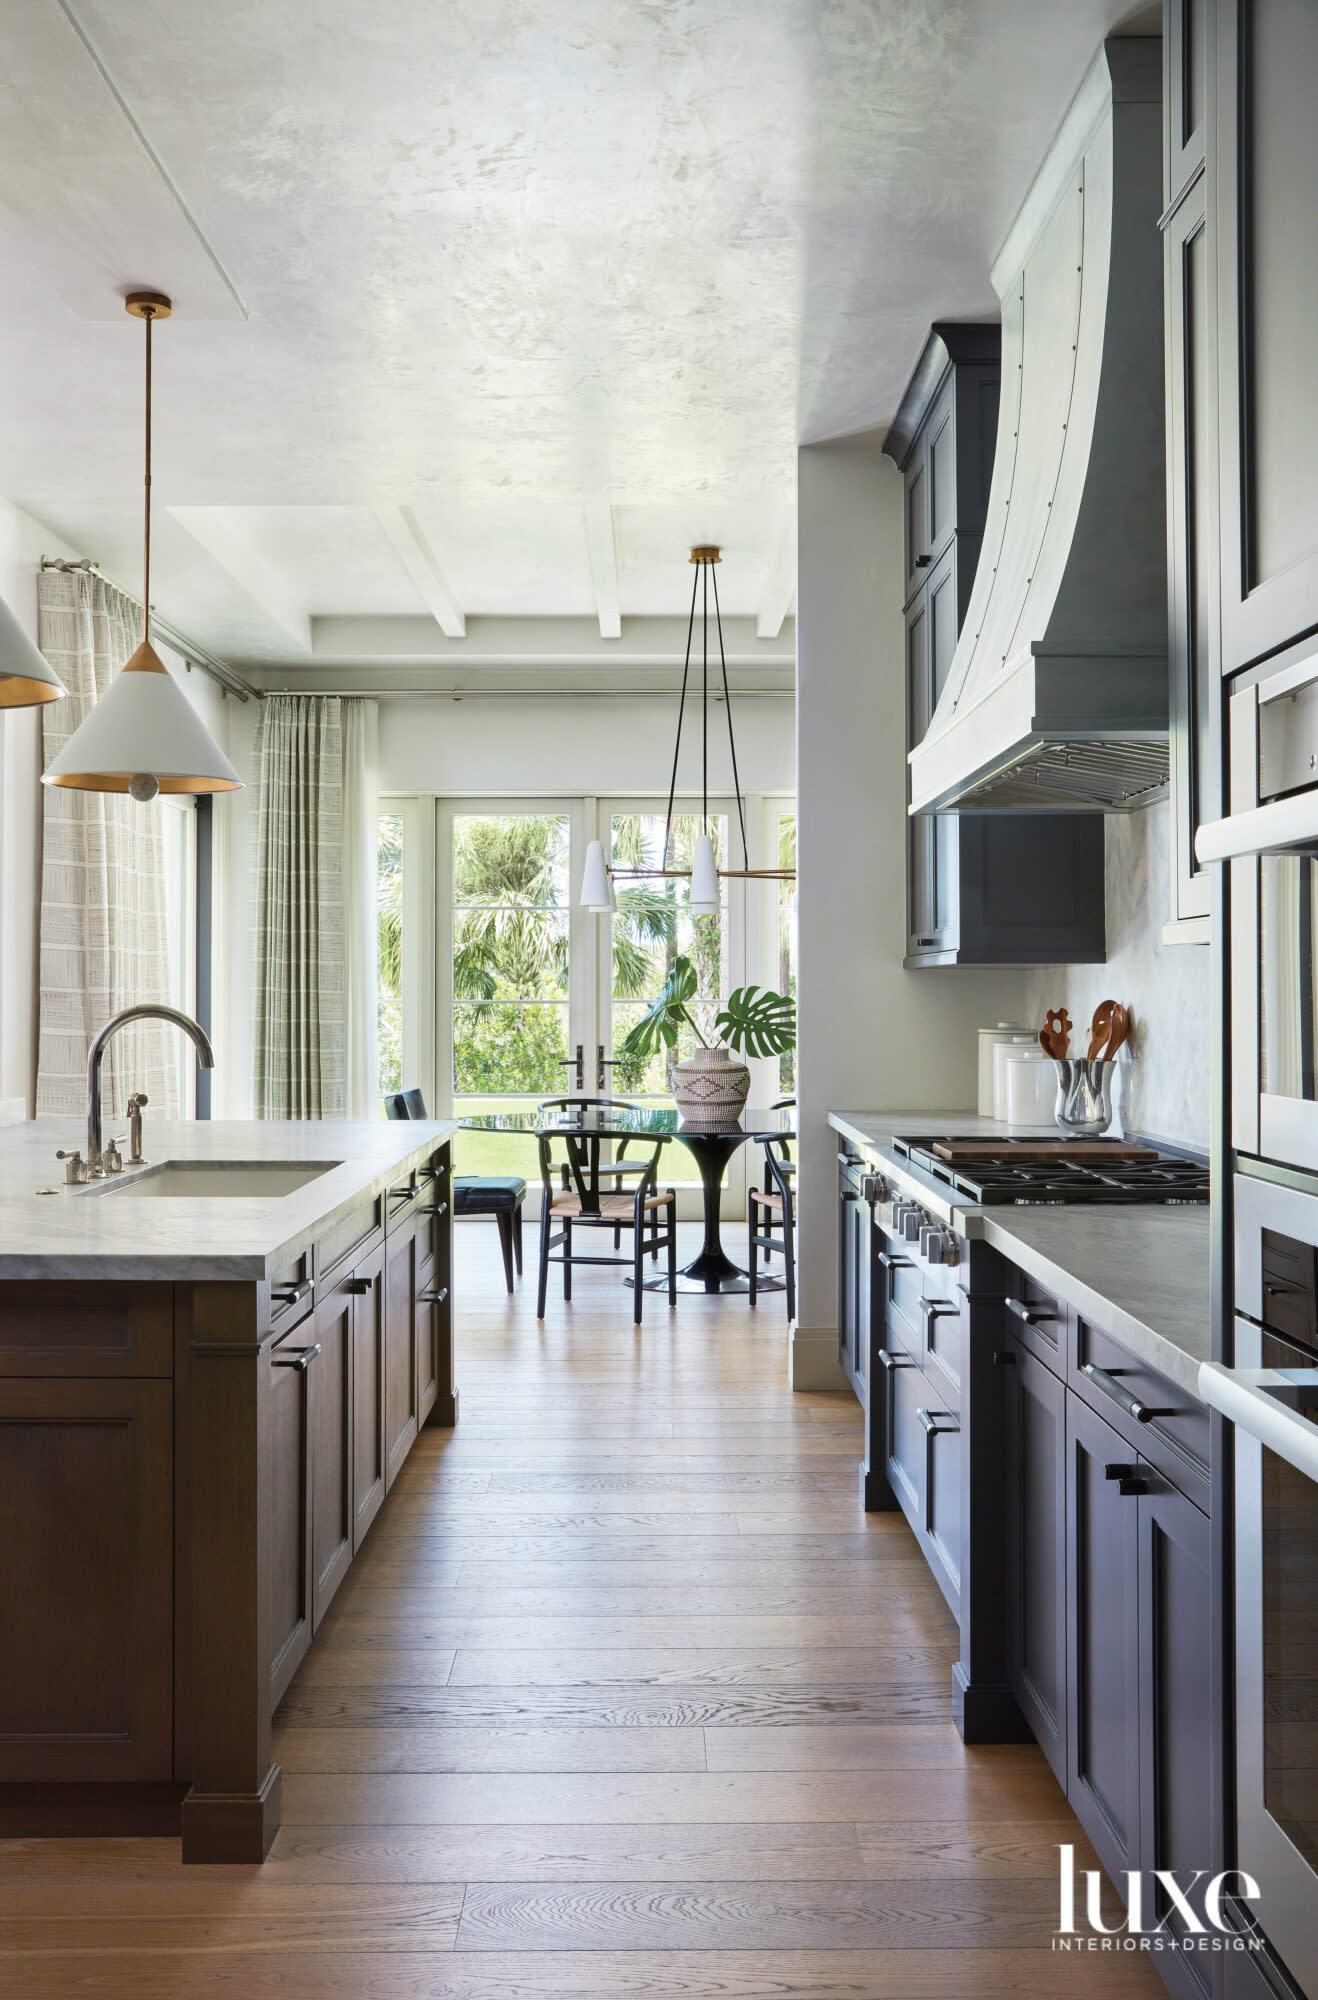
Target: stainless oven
[
  {"x": 1271, "y": 1396},
  {"x": 1270, "y": 840}
]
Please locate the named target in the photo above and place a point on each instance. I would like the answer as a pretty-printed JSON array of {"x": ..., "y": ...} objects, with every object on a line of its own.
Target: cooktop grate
[{"x": 1166, "y": 1180}]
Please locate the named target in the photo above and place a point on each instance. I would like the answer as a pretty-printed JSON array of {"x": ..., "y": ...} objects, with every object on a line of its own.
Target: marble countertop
[
  {"x": 103, "y": 1230},
  {"x": 1141, "y": 1273}
]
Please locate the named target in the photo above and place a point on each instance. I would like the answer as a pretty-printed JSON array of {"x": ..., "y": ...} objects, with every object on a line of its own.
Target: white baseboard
[{"x": 813, "y": 1361}]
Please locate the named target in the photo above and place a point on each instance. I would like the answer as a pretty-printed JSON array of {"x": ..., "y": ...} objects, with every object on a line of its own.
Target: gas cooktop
[{"x": 1043, "y": 1174}]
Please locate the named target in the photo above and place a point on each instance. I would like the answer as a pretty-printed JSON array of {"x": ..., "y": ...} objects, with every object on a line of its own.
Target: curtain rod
[{"x": 193, "y": 654}]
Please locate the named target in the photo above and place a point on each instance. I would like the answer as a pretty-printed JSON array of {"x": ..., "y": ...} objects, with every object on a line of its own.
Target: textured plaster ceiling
[{"x": 568, "y": 281}]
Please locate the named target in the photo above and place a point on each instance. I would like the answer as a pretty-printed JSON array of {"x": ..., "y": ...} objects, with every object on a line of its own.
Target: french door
[{"x": 524, "y": 978}]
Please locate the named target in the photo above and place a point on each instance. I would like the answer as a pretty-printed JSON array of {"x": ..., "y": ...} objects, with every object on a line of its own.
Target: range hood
[{"x": 1056, "y": 694}]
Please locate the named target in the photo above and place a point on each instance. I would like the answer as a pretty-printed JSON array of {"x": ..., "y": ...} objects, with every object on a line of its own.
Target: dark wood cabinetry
[
  {"x": 186, "y": 1472},
  {"x": 86, "y": 1499},
  {"x": 983, "y": 888}
]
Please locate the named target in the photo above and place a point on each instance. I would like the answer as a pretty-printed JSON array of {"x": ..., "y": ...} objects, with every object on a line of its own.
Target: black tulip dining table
[{"x": 711, "y": 1146}]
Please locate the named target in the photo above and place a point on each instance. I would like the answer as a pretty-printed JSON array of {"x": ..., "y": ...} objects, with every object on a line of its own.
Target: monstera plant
[{"x": 754, "y": 1021}]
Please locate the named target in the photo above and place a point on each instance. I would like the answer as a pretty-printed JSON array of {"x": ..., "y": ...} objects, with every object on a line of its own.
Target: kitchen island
[{"x": 212, "y": 1368}]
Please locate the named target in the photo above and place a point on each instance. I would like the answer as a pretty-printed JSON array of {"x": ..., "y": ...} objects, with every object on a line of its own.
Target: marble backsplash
[{"x": 1163, "y": 1081}]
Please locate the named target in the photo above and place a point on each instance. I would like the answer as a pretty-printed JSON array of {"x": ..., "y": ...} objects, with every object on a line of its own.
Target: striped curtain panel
[
  {"x": 298, "y": 934},
  {"x": 104, "y": 940}
]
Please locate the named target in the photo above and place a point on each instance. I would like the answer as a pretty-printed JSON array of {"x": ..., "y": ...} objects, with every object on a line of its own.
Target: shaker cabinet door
[
  {"x": 400, "y": 1369},
  {"x": 287, "y": 1493},
  {"x": 1035, "y": 1513},
  {"x": 1103, "y": 1765},
  {"x": 1176, "y": 1712},
  {"x": 368, "y": 1343},
  {"x": 1266, "y": 192},
  {"x": 330, "y": 1389}
]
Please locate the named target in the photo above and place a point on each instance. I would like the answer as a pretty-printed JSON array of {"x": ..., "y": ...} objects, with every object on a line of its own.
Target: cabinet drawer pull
[
  {"x": 1109, "y": 1386},
  {"x": 441, "y": 1208},
  {"x": 1003, "y": 1358},
  {"x": 432, "y": 1298},
  {"x": 923, "y": 562},
  {"x": 296, "y": 1357},
  {"x": 357, "y": 1288},
  {"x": 891, "y": 1263},
  {"x": 403, "y": 1193},
  {"x": 889, "y": 1359},
  {"x": 288, "y": 1295},
  {"x": 1031, "y": 1315},
  {"x": 938, "y": 1422},
  {"x": 938, "y": 1309}
]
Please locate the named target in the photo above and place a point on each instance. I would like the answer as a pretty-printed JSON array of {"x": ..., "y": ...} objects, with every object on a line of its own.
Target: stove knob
[
  {"x": 873, "y": 1189},
  {"x": 938, "y": 1246},
  {"x": 912, "y": 1220}
]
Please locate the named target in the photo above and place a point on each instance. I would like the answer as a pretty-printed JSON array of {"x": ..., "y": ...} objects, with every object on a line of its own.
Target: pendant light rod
[
  {"x": 148, "y": 306},
  {"x": 732, "y": 741},
  {"x": 681, "y": 709}
]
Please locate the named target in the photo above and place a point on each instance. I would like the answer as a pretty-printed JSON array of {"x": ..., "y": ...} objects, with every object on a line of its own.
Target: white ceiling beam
[
  {"x": 410, "y": 544},
  {"x": 779, "y": 580},
  {"x": 228, "y": 539},
  {"x": 602, "y": 544},
  {"x": 657, "y": 642}
]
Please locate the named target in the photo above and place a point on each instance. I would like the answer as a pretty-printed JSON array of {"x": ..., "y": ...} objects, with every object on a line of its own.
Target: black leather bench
[{"x": 499, "y": 1195}]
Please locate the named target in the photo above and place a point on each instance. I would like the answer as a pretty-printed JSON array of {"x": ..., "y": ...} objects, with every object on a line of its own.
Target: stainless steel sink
[{"x": 203, "y": 1180}]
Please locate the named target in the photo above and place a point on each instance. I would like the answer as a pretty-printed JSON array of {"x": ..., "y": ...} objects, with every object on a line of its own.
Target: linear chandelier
[
  {"x": 599, "y": 876},
  {"x": 143, "y": 736}
]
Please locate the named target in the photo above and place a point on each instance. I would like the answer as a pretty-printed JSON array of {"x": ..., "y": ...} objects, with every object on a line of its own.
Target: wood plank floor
[{"x": 625, "y": 1696}]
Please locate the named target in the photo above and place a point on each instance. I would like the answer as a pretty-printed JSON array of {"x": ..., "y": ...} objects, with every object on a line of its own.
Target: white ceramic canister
[
  {"x": 1020, "y": 1044},
  {"x": 1005, "y": 1031},
  {"x": 1031, "y": 1088}
]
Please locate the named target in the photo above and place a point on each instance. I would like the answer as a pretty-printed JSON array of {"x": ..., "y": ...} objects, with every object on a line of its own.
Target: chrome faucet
[{"x": 95, "y": 1162}]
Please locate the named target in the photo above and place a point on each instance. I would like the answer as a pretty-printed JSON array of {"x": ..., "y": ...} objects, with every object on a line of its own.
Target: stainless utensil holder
[{"x": 1083, "y": 1109}]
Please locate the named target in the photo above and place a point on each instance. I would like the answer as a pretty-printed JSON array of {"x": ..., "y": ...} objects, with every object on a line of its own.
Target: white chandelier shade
[
  {"x": 26, "y": 676},
  {"x": 596, "y": 889},
  {"x": 704, "y": 877}
]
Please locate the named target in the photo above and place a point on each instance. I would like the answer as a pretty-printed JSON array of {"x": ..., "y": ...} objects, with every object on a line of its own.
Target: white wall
[
  {"x": 872, "y": 1036},
  {"x": 578, "y": 744}
]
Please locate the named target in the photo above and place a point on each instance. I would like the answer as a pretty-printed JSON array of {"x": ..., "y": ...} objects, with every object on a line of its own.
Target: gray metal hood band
[{"x": 1056, "y": 697}]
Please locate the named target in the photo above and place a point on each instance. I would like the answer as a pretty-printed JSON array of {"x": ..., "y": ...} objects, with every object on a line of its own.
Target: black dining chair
[
  {"x": 583, "y": 1203},
  {"x": 618, "y": 1167},
  {"x": 772, "y": 1216},
  {"x": 499, "y": 1195}
]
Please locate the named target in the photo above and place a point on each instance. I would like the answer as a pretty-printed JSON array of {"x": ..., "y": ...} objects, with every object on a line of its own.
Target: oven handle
[
  {"x": 1239, "y": 1393},
  {"x": 1283, "y": 826}
]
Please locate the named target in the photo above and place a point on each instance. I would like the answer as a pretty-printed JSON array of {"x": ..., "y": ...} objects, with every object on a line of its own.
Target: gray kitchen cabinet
[
  {"x": 1192, "y": 539},
  {"x": 1103, "y": 1764},
  {"x": 1263, "y": 140},
  {"x": 1036, "y": 1561},
  {"x": 982, "y": 888}
]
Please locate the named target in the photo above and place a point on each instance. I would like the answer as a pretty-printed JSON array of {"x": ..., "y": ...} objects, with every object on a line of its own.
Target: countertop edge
[{"x": 249, "y": 1266}]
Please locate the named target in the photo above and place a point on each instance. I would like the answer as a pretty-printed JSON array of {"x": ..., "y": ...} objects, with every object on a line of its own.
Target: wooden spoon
[
  {"x": 1120, "y": 1030},
  {"x": 1057, "y": 1027},
  {"x": 1101, "y": 1026}
]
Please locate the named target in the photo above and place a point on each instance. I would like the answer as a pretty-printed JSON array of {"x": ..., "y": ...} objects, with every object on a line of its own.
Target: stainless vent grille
[{"x": 1118, "y": 776}]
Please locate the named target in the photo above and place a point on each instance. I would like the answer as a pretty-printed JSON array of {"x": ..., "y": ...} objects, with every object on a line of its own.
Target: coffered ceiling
[{"x": 487, "y": 309}]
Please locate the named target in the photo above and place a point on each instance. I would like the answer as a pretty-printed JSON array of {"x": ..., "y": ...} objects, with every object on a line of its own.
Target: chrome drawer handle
[
  {"x": 897, "y": 1360},
  {"x": 296, "y": 1357},
  {"x": 1110, "y": 1387},
  {"x": 938, "y": 1309},
  {"x": 891, "y": 1263},
  {"x": 1032, "y": 1315},
  {"x": 938, "y": 1423}
]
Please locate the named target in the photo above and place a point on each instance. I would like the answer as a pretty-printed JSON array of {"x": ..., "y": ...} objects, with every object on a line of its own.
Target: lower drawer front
[{"x": 903, "y": 1394}]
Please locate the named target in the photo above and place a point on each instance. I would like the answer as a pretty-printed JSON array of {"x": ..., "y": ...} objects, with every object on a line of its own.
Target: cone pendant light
[
  {"x": 144, "y": 736},
  {"x": 26, "y": 676}
]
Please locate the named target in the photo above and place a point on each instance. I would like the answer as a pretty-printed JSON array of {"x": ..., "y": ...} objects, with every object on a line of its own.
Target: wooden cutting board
[{"x": 1009, "y": 1151}]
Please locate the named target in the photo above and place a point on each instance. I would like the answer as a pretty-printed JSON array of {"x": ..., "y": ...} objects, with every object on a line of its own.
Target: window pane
[
  {"x": 653, "y": 926},
  {"x": 505, "y": 1047},
  {"x": 389, "y": 904},
  {"x": 510, "y": 954},
  {"x": 511, "y": 860}
]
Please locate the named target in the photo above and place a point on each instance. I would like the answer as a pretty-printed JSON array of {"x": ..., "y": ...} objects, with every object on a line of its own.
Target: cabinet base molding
[
  {"x": 443, "y": 1412},
  {"x": 90, "y": 1812},
  {"x": 237, "y": 1826},
  {"x": 876, "y": 1496},
  {"x": 986, "y": 1712}
]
